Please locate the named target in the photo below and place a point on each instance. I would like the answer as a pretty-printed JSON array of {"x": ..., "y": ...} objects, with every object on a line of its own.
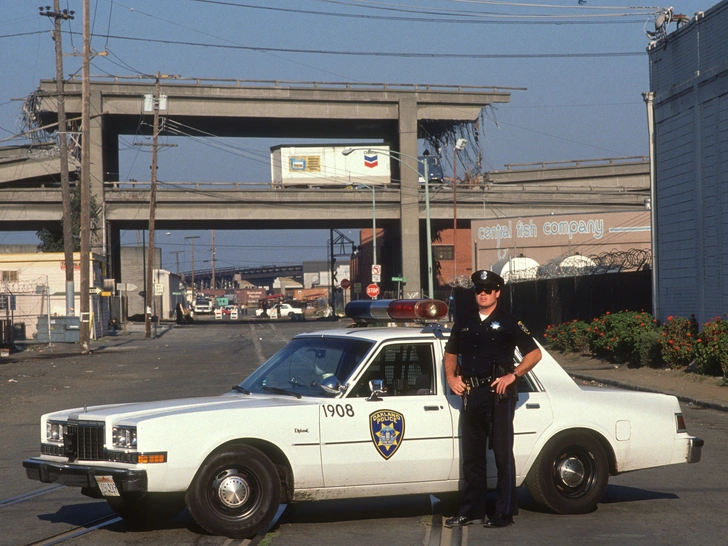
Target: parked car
[
  {"x": 324, "y": 418},
  {"x": 280, "y": 311}
]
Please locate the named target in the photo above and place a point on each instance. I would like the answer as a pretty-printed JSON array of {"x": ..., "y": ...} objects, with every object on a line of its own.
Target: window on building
[
  {"x": 9, "y": 276},
  {"x": 443, "y": 252}
]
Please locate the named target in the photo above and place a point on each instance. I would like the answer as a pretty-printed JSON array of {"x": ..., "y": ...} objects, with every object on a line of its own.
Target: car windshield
[{"x": 302, "y": 364}]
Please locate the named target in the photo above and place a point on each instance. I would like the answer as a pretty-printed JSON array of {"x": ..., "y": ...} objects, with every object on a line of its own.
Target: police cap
[{"x": 487, "y": 279}]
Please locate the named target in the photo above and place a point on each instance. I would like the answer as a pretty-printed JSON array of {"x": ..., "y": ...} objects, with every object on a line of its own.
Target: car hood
[{"x": 145, "y": 410}]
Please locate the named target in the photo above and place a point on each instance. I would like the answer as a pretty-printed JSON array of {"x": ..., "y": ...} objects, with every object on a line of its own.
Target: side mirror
[
  {"x": 377, "y": 387},
  {"x": 331, "y": 385}
]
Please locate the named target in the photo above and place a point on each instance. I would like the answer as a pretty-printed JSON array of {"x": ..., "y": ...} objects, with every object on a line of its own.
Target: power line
[{"x": 382, "y": 53}]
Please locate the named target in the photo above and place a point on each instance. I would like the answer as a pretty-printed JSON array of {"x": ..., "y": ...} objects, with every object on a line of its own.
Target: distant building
[{"x": 689, "y": 83}]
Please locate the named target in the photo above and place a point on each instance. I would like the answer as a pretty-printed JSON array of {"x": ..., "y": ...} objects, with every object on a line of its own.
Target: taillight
[{"x": 680, "y": 422}]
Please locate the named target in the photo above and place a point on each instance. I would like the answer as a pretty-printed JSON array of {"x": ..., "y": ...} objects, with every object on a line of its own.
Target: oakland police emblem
[{"x": 387, "y": 430}]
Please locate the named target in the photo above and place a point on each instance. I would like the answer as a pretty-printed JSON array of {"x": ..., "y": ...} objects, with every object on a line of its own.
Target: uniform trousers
[{"x": 474, "y": 429}]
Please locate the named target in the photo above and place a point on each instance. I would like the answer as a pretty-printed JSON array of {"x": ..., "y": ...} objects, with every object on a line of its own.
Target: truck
[
  {"x": 327, "y": 165},
  {"x": 202, "y": 306}
]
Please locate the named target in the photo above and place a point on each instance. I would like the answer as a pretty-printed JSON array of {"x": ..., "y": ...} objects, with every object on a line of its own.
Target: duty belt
[{"x": 475, "y": 382}]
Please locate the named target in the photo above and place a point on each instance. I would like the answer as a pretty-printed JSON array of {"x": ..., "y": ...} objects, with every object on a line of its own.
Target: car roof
[{"x": 379, "y": 334}]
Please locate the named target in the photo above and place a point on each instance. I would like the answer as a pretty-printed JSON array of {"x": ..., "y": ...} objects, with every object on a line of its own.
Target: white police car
[{"x": 306, "y": 426}]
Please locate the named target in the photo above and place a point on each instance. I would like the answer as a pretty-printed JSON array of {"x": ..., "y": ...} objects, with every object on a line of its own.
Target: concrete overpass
[{"x": 395, "y": 113}]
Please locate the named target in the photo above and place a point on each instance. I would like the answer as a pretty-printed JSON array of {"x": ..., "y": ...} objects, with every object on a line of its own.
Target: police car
[{"x": 354, "y": 412}]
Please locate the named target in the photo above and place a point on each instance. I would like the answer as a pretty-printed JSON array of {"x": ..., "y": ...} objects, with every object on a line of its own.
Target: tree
[{"x": 51, "y": 239}]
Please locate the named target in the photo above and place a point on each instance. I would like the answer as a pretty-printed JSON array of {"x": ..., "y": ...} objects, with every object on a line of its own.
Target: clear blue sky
[{"x": 584, "y": 67}]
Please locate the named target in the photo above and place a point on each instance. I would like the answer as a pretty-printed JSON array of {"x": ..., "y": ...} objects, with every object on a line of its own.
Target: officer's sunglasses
[{"x": 488, "y": 291}]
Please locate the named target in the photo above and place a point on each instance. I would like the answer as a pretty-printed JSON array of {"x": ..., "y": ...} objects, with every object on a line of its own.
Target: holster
[{"x": 511, "y": 390}]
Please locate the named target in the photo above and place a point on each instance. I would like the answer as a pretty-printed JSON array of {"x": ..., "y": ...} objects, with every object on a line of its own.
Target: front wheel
[
  {"x": 235, "y": 493},
  {"x": 570, "y": 474}
]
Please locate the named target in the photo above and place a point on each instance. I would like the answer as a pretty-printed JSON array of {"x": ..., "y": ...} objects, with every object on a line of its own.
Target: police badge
[{"x": 387, "y": 430}]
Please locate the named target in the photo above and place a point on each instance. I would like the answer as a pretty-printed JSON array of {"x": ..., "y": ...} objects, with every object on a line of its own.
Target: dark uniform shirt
[{"x": 484, "y": 344}]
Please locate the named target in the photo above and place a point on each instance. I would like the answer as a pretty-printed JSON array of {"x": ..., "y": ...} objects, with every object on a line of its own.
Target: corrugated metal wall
[{"x": 689, "y": 76}]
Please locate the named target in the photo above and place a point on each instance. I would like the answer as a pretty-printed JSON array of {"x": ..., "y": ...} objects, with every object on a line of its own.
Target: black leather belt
[{"x": 475, "y": 382}]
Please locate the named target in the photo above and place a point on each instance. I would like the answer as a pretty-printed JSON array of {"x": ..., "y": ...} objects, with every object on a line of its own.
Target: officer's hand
[
  {"x": 456, "y": 384},
  {"x": 502, "y": 383}
]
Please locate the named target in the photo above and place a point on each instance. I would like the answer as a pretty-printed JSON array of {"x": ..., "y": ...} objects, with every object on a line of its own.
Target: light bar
[{"x": 369, "y": 311}]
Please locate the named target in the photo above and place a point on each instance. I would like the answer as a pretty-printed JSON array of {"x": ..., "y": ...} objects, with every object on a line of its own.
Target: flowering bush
[
  {"x": 679, "y": 336},
  {"x": 617, "y": 336},
  {"x": 568, "y": 337},
  {"x": 711, "y": 348}
]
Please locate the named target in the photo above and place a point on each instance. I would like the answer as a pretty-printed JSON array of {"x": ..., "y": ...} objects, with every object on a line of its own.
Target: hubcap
[
  {"x": 233, "y": 491},
  {"x": 571, "y": 471}
]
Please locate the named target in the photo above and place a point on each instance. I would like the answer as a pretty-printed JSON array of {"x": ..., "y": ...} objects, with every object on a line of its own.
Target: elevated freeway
[{"x": 396, "y": 114}]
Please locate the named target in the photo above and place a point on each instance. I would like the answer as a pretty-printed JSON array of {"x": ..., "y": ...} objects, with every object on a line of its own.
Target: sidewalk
[{"x": 690, "y": 388}]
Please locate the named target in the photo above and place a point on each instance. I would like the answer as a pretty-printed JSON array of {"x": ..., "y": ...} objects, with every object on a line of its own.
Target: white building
[{"x": 38, "y": 283}]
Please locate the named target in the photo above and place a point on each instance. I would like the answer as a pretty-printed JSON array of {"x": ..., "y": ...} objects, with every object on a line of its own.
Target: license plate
[{"x": 107, "y": 486}]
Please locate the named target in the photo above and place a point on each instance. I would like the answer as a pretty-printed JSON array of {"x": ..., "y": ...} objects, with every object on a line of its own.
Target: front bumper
[
  {"x": 76, "y": 475},
  {"x": 694, "y": 448}
]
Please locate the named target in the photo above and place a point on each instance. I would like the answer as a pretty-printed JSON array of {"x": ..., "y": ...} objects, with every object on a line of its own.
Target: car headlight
[
  {"x": 124, "y": 437},
  {"x": 55, "y": 431}
]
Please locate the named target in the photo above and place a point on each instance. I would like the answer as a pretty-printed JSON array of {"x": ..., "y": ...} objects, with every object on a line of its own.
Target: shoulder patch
[{"x": 523, "y": 327}]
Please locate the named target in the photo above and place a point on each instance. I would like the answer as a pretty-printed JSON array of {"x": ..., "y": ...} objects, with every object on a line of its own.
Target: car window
[
  {"x": 305, "y": 362},
  {"x": 407, "y": 369}
]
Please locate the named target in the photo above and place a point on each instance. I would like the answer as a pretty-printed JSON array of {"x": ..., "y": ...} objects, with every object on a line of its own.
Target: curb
[{"x": 631, "y": 386}]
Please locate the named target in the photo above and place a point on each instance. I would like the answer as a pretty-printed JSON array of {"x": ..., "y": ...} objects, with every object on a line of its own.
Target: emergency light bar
[{"x": 369, "y": 311}]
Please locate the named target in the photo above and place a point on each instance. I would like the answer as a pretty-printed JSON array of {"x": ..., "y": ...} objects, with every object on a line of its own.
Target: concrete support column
[
  {"x": 98, "y": 235},
  {"x": 409, "y": 199}
]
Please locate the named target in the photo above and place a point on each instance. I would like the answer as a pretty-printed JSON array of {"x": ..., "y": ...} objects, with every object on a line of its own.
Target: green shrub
[
  {"x": 568, "y": 337},
  {"x": 711, "y": 348},
  {"x": 649, "y": 348},
  {"x": 679, "y": 336},
  {"x": 617, "y": 336}
]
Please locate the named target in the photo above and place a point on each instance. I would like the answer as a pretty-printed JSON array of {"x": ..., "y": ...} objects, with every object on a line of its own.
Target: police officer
[{"x": 486, "y": 380}]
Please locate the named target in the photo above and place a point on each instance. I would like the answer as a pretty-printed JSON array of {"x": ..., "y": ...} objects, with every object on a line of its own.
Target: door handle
[
  {"x": 533, "y": 406},
  {"x": 432, "y": 408}
]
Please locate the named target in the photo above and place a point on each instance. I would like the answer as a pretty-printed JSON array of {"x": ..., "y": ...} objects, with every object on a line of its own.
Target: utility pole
[
  {"x": 148, "y": 285},
  {"x": 152, "y": 210},
  {"x": 176, "y": 255},
  {"x": 85, "y": 330},
  {"x": 192, "y": 238},
  {"x": 59, "y": 16},
  {"x": 213, "y": 260}
]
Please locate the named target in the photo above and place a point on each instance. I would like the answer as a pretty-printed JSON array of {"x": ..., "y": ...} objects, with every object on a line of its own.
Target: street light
[
  {"x": 459, "y": 145},
  {"x": 398, "y": 158},
  {"x": 345, "y": 152}
]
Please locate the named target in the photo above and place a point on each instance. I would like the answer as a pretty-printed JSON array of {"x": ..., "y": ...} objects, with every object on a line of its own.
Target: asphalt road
[{"x": 681, "y": 504}]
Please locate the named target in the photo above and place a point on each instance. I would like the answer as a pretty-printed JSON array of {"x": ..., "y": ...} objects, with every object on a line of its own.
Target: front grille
[{"x": 84, "y": 440}]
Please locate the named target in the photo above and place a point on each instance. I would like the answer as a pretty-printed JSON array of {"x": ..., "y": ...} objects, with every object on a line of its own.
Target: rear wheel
[
  {"x": 235, "y": 493},
  {"x": 570, "y": 474}
]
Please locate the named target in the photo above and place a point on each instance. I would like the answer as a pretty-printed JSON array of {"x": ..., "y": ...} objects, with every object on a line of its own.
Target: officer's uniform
[{"x": 486, "y": 349}]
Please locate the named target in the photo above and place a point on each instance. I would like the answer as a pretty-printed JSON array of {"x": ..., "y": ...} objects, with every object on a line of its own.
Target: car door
[{"x": 404, "y": 435}]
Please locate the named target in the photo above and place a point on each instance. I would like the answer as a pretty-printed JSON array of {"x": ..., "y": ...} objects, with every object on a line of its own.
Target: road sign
[
  {"x": 372, "y": 290},
  {"x": 120, "y": 286},
  {"x": 143, "y": 293},
  {"x": 376, "y": 278},
  {"x": 357, "y": 287},
  {"x": 158, "y": 289},
  {"x": 94, "y": 290},
  {"x": 345, "y": 283},
  {"x": 399, "y": 279},
  {"x": 376, "y": 269}
]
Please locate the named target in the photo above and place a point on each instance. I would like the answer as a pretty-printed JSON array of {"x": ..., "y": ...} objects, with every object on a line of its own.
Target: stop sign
[
  {"x": 373, "y": 290},
  {"x": 345, "y": 283}
]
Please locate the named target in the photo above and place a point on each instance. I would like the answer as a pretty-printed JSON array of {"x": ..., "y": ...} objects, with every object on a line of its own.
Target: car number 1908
[{"x": 338, "y": 410}]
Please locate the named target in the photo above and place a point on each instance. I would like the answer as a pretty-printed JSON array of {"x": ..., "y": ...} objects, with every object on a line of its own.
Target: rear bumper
[
  {"x": 695, "y": 447},
  {"x": 76, "y": 475}
]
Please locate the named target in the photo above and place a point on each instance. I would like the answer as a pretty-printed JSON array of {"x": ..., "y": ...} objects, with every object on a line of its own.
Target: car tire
[
  {"x": 570, "y": 474},
  {"x": 145, "y": 511},
  {"x": 292, "y": 315},
  {"x": 235, "y": 493}
]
